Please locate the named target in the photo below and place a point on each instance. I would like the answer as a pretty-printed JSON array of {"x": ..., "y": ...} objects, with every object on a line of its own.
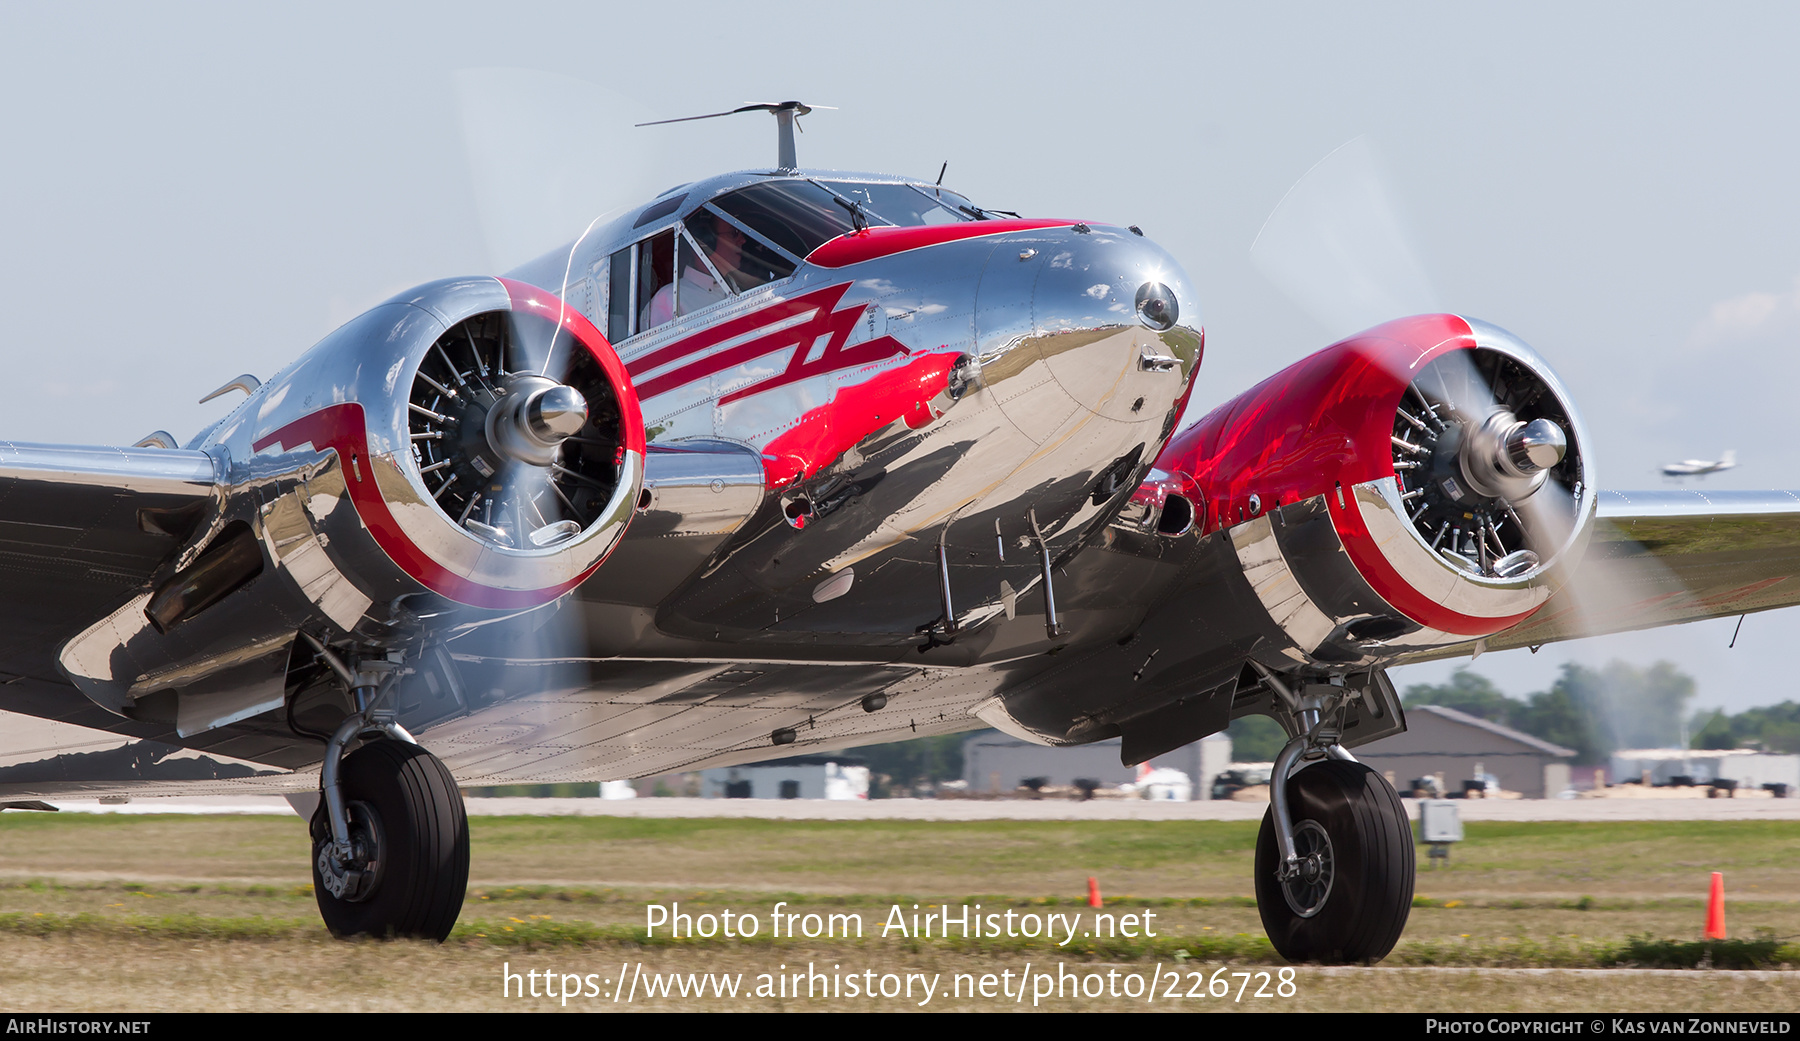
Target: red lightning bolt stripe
[{"x": 833, "y": 325}]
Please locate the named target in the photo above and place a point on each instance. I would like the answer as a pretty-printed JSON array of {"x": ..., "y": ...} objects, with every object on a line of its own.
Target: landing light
[{"x": 1156, "y": 306}]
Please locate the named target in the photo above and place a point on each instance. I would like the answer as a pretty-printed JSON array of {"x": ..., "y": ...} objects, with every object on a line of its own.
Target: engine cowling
[
  {"x": 1421, "y": 484},
  {"x": 489, "y": 449},
  {"x": 356, "y": 479}
]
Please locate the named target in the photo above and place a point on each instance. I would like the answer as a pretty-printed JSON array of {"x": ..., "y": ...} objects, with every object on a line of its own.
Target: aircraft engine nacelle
[
  {"x": 1421, "y": 484},
  {"x": 486, "y": 444},
  {"x": 474, "y": 438}
]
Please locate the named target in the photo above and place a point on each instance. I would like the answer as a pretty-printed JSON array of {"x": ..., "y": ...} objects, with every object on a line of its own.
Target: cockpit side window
[
  {"x": 656, "y": 269},
  {"x": 638, "y": 272},
  {"x": 679, "y": 271},
  {"x": 743, "y": 259},
  {"x": 795, "y": 216},
  {"x": 619, "y": 311}
]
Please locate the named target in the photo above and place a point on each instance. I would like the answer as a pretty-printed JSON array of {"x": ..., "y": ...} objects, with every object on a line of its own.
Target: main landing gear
[
  {"x": 390, "y": 836},
  {"x": 1334, "y": 859}
]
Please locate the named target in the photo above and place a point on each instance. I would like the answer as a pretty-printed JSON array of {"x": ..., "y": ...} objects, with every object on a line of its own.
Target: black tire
[
  {"x": 424, "y": 830},
  {"x": 1364, "y": 907}
]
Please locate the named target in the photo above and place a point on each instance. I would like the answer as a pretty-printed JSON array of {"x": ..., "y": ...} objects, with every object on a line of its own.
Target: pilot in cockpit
[{"x": 724, "y": 246}]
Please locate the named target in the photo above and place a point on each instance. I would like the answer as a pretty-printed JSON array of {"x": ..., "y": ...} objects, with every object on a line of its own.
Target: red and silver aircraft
[{"x": 786, "y": 460}]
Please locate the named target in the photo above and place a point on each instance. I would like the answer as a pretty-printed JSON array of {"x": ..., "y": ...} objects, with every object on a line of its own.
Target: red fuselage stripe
[
  {"x": 875, "y": 243},
  {"x": 834, "y": 327},
  {"x": 819, "y": 299}
]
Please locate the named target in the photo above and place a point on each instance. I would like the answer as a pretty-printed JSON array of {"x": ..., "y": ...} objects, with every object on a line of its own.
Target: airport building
[
  {"x": 1466, "y": 750},
  {"x": 1740, "y": 767},
  {"x": 797, "y": 777},
  {"x": 996, "y": 763}
]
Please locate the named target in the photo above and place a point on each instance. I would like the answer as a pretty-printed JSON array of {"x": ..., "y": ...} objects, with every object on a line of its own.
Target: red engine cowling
[{"x": 1420, "y": 484}]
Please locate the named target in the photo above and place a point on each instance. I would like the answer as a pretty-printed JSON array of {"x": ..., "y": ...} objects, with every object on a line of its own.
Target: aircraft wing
[
  {"x": 82, "y": 530},
  {"x": 1664, "y": 557}
]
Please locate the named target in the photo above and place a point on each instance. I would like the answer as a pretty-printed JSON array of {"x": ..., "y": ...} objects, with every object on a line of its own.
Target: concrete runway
[{"x": 995, "y": 809}]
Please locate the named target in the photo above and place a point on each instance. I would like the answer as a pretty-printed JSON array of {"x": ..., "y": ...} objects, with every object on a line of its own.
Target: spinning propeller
[
  {"x": 1477, "y": 442},
  {"x": 512, "y": 425},
  {"x": 1483, "y": 440},
  {"x": 546, "y": 153},
  {"x": 1335, "y": 247}
]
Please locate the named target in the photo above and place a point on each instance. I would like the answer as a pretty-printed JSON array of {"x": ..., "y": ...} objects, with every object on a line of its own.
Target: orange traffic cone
[
  {"x": 1094, "y": 892},
  {"x": 1715, "y": 908}
]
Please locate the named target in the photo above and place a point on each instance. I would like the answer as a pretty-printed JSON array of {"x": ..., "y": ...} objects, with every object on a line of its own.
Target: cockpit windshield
[
  {"x": 752, "y": 236},
  {"x": 903, "y": 204},
  {"x": 744, "y": 257},
  {"x": 794, "y": 216}
]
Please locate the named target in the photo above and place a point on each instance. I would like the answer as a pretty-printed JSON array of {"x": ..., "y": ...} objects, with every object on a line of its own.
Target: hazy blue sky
[{"x": 188, "y": 192}]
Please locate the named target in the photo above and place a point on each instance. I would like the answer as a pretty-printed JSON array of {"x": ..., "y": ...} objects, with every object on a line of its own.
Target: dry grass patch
[
  {"x": 132, "y": 913},
  {"x": 95, "y": 974}
]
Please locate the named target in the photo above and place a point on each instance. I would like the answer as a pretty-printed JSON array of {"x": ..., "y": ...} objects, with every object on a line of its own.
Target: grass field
[{"x": 174, "y": 912}]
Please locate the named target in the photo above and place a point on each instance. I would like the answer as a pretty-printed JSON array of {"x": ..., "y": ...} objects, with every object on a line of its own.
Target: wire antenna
[{"x": 787, "y": 116}]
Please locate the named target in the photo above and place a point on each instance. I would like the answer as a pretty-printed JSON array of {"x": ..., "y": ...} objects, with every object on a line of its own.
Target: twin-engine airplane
[{"x": 791, "y": 459}]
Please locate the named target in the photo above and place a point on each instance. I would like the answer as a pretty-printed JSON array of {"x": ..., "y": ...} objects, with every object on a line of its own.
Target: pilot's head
[{"x": 723, "y": 242}]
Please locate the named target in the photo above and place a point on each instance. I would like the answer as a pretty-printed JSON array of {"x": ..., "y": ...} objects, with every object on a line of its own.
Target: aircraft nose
[
  {"x": 1108, "y": 275},
  {"x": 1085, "y": 317}
]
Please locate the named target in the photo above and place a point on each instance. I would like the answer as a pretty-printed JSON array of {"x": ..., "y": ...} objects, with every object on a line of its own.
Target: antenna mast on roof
[{"x": 787, "y": 116}]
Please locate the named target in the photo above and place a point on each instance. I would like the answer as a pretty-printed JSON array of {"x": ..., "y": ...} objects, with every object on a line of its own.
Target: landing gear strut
[
  {"x": 1334, "y": 859},
  {"x": 390, "y": 835}
]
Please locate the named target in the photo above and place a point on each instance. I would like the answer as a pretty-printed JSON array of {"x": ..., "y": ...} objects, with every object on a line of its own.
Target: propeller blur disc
[
  {"x": 1335, "y": 246},
  {"x": 547, "y": 153}
]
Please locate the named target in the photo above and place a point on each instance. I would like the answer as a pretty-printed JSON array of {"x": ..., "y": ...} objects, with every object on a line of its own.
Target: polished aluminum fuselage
[{"x": 1024, "y": 380}]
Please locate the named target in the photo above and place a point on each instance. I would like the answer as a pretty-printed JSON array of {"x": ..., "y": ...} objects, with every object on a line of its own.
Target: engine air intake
[{"x": 516, "y": 430}]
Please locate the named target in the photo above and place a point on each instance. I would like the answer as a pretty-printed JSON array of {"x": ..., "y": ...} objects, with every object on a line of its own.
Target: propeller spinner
[{"x": 1477, "y": 435}]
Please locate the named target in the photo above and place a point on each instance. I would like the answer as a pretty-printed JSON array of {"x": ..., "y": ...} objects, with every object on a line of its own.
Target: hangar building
[{"x": 1441, "y": 740}]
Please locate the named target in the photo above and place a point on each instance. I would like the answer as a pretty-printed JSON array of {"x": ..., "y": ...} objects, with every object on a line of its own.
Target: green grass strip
[
  {"x": 706, "y": 897},
  {"x": 540, "y": 931}
]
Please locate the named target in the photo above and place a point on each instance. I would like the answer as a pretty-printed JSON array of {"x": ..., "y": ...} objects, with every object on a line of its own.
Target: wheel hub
[
  {"x": 357, "y": 879},
  {"x": 1308, "y": 885}
]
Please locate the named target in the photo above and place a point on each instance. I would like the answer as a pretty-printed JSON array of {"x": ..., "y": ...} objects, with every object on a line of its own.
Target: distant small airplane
[{"x": 1700, "y": 467}]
